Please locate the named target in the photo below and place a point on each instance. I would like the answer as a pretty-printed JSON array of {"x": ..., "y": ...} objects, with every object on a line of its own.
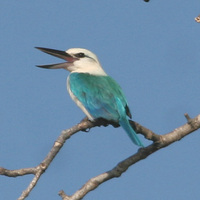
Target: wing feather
[{"x": 98, "y": 95}]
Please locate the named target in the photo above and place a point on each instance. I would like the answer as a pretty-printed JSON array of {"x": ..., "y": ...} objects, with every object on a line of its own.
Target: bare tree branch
[
  {"x": 65, "y": 134},
  {"x": 40, "y": 169},
  {"x": 165, "y": 140},
  {"x": 160, "y": 141},
  {"x": 32, "y": 184},
  {"x": 17, "y": 172}
]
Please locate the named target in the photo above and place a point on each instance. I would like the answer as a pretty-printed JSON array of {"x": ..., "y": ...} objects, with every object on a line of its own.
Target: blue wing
[
  {"x": 103, "y": 98},
  {"x": 98, "y": 95}
]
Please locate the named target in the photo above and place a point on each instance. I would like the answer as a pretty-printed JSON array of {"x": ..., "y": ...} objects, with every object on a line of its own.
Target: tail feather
[{"x": 131, "y": 133}]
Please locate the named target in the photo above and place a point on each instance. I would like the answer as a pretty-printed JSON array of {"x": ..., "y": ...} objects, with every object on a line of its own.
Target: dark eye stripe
[{"x": 80, "y": 55}]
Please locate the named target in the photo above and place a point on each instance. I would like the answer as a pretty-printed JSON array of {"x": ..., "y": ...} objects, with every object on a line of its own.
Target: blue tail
[{"x": 131, "y": 133}]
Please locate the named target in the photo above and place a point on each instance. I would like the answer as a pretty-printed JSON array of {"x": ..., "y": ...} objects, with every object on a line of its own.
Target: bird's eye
[{"x": 80, "y": 55}]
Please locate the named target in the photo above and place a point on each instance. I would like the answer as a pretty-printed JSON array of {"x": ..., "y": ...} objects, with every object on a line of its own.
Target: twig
[
  {"x": 148, "y": 134},
  {"x": 17, "y": 172},
  {"x": 197, "y": 19}
]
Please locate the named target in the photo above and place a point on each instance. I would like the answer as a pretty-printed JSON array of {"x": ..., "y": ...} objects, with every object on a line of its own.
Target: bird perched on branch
[{"x": 97, "y": 94}]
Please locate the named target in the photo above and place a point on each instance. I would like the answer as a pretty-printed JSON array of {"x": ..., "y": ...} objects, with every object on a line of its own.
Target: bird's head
[{"x": 78, "y": 60}]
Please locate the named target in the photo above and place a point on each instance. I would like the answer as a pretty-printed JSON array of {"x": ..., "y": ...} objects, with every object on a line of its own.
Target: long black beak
[{"x": 60, "y": 54}]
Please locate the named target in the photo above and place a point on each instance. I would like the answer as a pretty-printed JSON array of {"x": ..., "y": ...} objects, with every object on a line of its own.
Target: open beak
[{"x": 60, "y": 54}]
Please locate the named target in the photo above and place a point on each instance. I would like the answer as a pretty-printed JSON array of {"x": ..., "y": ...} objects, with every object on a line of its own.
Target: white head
[{"x": 78, "y": 60}]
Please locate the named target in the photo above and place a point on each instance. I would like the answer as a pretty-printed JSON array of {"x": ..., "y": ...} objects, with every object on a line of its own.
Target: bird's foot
[
  {"x": 105, "y": 122},
  {"x": 85, "y": 119},
  {"x": 100, "y": 122}
]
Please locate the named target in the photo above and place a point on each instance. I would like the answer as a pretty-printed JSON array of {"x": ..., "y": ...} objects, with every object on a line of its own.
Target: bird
[{"x": 97, "y": 94}]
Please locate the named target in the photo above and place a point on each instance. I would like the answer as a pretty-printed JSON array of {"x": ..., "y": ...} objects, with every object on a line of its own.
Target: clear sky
[{"x": 151, "y": 49}]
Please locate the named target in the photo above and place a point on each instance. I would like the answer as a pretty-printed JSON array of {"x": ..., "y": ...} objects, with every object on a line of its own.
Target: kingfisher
[{"x": 97, "y": 94}]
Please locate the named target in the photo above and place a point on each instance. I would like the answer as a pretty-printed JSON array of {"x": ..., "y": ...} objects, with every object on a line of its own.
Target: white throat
[{"x": 91, "y": 70}]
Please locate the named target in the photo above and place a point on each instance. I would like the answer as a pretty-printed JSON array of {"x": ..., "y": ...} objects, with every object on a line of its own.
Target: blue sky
[{"x": 150, "y": 49}]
